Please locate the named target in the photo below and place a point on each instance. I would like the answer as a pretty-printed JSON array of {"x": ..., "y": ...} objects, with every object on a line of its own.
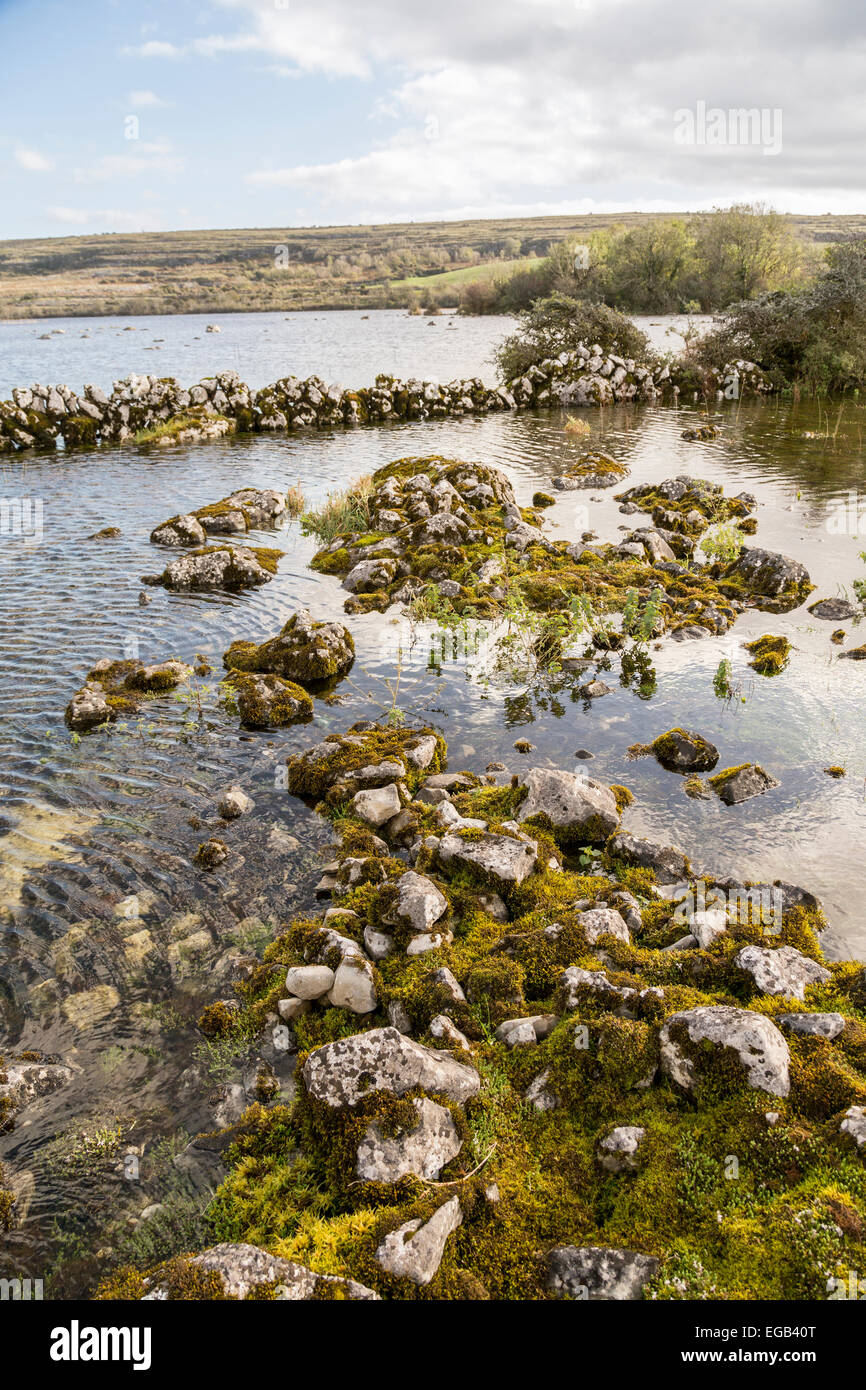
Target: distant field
[
  {"x": 489, "y": 270},
  {"x": 302, "y": 268}
]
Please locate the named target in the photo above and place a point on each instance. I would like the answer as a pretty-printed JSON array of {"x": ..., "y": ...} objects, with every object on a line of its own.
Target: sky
[{"x": 172, "y": 114}]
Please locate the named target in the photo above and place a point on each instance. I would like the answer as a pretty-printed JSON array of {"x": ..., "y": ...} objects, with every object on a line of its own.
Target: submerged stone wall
[{"x": 40, "y": 417}]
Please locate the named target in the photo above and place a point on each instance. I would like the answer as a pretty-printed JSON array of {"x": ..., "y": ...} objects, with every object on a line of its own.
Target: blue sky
[{"x": 124, "y": 117}]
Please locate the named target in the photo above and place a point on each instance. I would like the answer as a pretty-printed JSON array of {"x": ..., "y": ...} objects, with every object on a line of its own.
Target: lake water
[{"x": 99, "y": 900}]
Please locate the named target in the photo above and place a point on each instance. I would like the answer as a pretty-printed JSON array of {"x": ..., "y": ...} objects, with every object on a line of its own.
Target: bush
[
  {"x": 814, "y": 338},
  {"x": 558, "y": 324}
]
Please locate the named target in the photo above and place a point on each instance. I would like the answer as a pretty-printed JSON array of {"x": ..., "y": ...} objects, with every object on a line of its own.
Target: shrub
[{"x": 558, "y": 324}]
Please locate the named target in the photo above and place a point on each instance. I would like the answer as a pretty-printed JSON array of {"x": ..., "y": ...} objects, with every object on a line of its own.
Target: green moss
[
  {"x": 543, "y": 499},
  {"x": 622, "y": 796},
  {"x": 770, "y": 654}
]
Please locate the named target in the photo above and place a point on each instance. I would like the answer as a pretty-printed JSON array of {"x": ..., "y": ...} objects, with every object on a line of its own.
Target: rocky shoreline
[{"x": 519, "y": 1052}]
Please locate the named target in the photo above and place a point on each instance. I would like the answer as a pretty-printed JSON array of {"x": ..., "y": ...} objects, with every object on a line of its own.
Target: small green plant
[
  {"x": 722, "y": 682},
  {"x": 722, "y": 543}
]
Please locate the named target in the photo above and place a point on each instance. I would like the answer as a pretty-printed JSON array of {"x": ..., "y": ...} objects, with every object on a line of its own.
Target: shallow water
[{"x": 97, "y": 891}]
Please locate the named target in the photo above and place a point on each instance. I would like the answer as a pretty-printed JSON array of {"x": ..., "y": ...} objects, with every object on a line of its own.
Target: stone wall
[{"x": 40, "y": 416}]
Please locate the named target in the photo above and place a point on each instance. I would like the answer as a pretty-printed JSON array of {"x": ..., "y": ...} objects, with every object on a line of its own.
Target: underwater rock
[
  {"x": 594, "y": 1272},
  {"x": 753, "y": 1038},
  {"x": 414, "y": 1251},
  {"x": 781, "y": 970},
  {"x": 342, "y": 1073},
  {"x": 576, "y": 809},
  {"x": 234, "y": 802}
]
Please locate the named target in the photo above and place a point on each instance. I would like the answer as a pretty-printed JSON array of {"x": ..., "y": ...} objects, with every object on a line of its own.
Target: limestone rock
[
  {"x": 828, "y": 1025},
  {"x": 309, "y": 981},
  {"x": 304, "y": 651},
  {"x": 783, "y": 970},
  {"x": 741, "y": 783},
  {"x": 577, "y": 808},
  {"x": 668, "y": 864},
  {"x": 499, "y": 857},
  {"x": 756, "y": 1041},
  {"x": 414, "y": 1251},
  {"x": 376, "y": 805},
  {"x": 87, "y": 709},
  {"x": 423, "y": 1150},
  {"x": 234, "y": 802},
  {"x": 341, "y": 1073},
  {"x": 603, "y": 921},
  {"x": 354, "y": 987},
  {"x": 241, "y": 1268},
  {"x": 592, "y": 1272},
  {"x": 419, "y": 903},
  {"x": 684, "y": 751},
  {"x": 617, "y": 1151}
]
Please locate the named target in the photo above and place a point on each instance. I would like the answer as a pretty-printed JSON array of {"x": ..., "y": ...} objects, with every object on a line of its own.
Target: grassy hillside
[{"x": 319, "y": 267}]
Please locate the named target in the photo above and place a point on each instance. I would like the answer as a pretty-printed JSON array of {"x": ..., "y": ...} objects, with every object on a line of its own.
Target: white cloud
[
  {"x": 154, "y": 48},
  {"x": 118, "y": 218},
  {"x": 32, "y": 160},
  {"x": 538, "y": 103},
  {"x": 141, "y": 157},
  {"x": 145, "y": 98}
]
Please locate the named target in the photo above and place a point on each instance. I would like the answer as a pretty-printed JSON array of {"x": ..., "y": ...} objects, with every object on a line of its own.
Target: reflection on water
[{"x": 110, "y": 940}]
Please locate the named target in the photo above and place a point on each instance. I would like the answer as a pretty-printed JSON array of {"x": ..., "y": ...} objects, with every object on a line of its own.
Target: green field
[{"x": 274, "y": 268}]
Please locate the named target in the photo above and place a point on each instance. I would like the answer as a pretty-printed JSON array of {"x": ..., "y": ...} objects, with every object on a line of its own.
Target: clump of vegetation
[
  {"x": 295, "y": 502},
  {"x": 341, "y": 511},
  {"x": 560, "y": 324},
  {"x": 770, "y": 654},
  {"x": 812, "y": 338}
]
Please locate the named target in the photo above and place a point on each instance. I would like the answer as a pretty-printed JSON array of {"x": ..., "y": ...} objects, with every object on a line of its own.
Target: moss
[
  {"x": 361, "y": 747},
  {"x": 797, "y": 1208},
  {"x": 668, "y": 749},
  {"x": 264, "y": 702},
  {"x": 543, "y": 499},
  {"x": 835, "y": 771},
  {"x": 310, "y": 653},
  {"x": 622, "y": 796},
  {"x": 770, "y": 654}
]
